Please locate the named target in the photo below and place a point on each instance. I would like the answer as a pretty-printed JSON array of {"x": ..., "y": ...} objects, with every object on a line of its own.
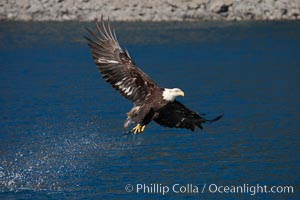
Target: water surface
[{"x": 61, "y": 124}]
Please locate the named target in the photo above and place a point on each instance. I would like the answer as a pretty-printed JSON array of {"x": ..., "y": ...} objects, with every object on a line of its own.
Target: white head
[{"x": 171, "y": 94}]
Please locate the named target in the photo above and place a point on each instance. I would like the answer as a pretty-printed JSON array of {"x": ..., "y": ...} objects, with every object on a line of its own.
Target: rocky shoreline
[{"x": 147, "y": 10}]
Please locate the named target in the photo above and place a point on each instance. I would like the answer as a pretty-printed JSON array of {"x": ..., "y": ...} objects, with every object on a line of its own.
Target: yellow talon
[
  {"x": 143, "y": 128},
  {"x": 138, "y": 129}
]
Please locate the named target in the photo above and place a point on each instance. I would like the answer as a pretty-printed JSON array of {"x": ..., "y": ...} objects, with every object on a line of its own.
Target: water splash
[{"x": 58, "y": 161}]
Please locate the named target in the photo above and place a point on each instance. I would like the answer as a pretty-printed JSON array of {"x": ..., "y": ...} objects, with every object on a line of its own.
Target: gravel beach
[{"x": 144, "y": 10}]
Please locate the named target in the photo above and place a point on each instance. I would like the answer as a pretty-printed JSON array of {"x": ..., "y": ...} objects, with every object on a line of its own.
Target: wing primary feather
[
  {"x": 215, "y": 119},
  {"x": 115, "y": 37},
  {"x": 104, "y": 27},
  {"x": 93, "y": 43},
  {"x": 93, "y": 34},
  {"x": 99, "y": 52},
  {"x": 109, "y": 30},
  {"x": 88, "y": 39},
  {"x": 99, "y": 29},
  {"x": 97, "y": 46},
  {"x": 127, "y": 53}
]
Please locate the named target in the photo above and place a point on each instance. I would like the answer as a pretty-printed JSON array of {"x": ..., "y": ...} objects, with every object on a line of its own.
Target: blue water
[{"x": 61, "y": 124}]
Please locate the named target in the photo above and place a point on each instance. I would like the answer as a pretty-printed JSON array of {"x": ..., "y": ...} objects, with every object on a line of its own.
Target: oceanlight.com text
[{"x": 247, "y": 189}]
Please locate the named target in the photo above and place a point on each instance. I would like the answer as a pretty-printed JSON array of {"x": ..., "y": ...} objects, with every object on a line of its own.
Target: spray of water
[{"x": 58, "y": 159}]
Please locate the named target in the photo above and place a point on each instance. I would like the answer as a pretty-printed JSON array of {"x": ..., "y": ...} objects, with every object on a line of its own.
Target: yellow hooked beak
[{"x": 181, "y": 93}]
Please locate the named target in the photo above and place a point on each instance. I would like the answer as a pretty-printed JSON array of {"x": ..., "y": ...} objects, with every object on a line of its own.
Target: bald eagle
[{"x": 150, "y": 101}]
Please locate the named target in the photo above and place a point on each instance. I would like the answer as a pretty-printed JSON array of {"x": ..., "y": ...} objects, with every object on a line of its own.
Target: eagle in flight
[{"x": 150, "y": 101}]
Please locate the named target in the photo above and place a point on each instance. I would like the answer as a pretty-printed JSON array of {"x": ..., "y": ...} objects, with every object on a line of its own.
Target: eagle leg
[{"x": 138, "y": 129}]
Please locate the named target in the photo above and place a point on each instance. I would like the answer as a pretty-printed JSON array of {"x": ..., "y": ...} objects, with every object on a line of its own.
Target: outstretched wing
[
  {"x": 175, "y": 114},
  {"x": 116, "y": 66}
]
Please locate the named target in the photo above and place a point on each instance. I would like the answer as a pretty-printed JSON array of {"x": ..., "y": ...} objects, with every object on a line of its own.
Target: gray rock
[
  {"x": 25, "y": 17},
  {"x": 219, "y": 6},
  {"x": 154, "y": 10},
  {"x": 23, "y": 4}
]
